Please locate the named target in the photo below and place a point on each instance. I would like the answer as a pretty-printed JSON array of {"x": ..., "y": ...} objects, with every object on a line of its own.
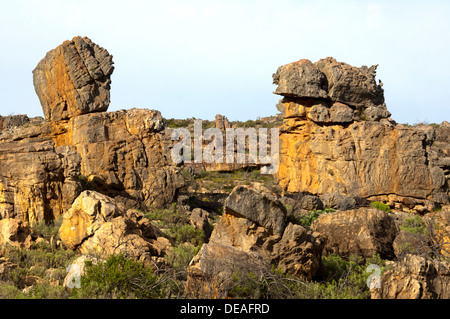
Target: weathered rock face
[
  {"x": 258, "y": 207},
  {"x": 15, "y": 232},
  {"x": 46, "y": 165},
  {"x": 128, "y": 153},
  {"x": 438, "y": 225},
  {"x": 363, "y": 232},
  {"x": 73, "y": 79},
  {"x": 252, "y": 236},
  {"x": 124, "y": 154},
  {"x": 337, "y": 137},
  {"x": 95, "y": 224},
  {"x": 414, "y": 277}
]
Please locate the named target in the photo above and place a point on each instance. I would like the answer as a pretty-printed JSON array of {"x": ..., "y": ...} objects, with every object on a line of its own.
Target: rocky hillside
[{"x": 359, "y": 206}]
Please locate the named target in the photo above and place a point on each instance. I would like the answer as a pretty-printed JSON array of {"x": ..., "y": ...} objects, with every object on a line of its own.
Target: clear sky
[{"x": 202, "y": 58}]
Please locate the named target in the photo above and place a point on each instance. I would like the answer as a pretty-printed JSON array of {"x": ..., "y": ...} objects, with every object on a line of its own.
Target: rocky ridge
[{"x": 108, "y": 178}]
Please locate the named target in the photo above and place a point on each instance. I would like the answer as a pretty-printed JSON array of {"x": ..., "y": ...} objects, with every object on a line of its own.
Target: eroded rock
[{"x": 73, "y": 79}]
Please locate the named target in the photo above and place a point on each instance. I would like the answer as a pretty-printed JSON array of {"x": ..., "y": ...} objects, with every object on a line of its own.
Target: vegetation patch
[{"x": 381, "y": 206}]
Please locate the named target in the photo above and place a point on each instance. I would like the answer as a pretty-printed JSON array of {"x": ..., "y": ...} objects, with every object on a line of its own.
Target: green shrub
[
  {"x": 118, "y": 277},
  {"x": 338, "y": 279},
  {"x": 381, "y": 206},
  {"x": 187, "y": 233},
  {"x": 307, "y": 219},
  {"x": 47, "y": 291},
  {"x": 47, "y": 229},
  {"x": 179, "y": 257},
  {"x": 10, "y": 291},
  {"x": 414, "y": 225}
]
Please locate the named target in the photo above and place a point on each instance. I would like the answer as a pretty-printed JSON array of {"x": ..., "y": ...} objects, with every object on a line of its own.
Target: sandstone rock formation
[
  {"x": 337, "y": 137},
  {"x": 15, "y": 232},
  {"x": 252, "y": 236},
  {"x": 363, "y": 232},
  {"x": 73, "y": 79},
  {"x": 124, "y": 154},
  {"x": 96, "y": 225},
  {"x": 46, "y": 165},
  {"x": 414, "y": 277}
]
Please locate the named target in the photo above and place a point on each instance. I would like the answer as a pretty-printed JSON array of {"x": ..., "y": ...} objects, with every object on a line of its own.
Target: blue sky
[{"x": 202, "y": 58}]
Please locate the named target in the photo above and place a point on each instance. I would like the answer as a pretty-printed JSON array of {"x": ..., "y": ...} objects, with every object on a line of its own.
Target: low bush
[
  {"x": 308, "y": 218},
  {"x": 339, "y": 278},
  {"x": 414, "y": 225},
  {"x": 118, "y": 277},
  {"x": 381, "y": 206}
]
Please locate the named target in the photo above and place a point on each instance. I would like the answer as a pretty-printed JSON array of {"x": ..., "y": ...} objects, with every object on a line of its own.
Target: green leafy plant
[
  {"x": 119, "y": 277},
  {"x": 414, "y": 225},
  {"x": 307, "y": 219},
  {"x": 380, "y": 206}
]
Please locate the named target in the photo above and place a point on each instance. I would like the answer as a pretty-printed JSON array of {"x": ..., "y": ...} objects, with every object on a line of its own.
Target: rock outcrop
[
  {"x": 46, "y": 165},
  {"x": 96, "y": 225},
  {"x": 337, "y": 137},
  {"x": 124, "y": 154},
  {"x": 363, "y": 232},
  {"x": 252, "y": 236},
  {"x": 15, "y": 232},
  {"x": 414, "y": 277},
  {"x": 74, "y": 79}
]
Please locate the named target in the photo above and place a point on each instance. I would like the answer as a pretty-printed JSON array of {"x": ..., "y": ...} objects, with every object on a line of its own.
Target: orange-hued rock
[
  {"x": 345, "y": 142},
  {"x": 95, "y": 224},
  {"x": 124, "y": 154},
  {"x": 15, "y": 232},
  {"x": 73, "y": 79}
]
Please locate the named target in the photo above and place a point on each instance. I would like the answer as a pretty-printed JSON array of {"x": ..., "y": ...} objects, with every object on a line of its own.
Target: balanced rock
[{"x": 73, "y": 79}]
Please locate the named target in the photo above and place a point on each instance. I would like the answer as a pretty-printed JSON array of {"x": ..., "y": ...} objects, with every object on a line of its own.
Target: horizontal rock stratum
[
  {"x": 74, "y": 79},
  {"x": 337, "y": 137},
  {"x": 47, "y": 164}
]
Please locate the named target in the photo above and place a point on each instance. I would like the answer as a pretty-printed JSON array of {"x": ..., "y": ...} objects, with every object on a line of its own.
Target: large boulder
[
  {"x": 96, "y": 225},
  {"x": 363, "y": 232},
  {"x": 15, "y": 232},
  {"x": 262, "y": 208},
  {"x": 414, "y": 277},
  {"x": 299, "y": 251},
  {"x": 73, "y": 79},
  {"x": 329, "y": 79},
  {"x": 249, "y": 235},
  {"x": 88, "y": 212}
]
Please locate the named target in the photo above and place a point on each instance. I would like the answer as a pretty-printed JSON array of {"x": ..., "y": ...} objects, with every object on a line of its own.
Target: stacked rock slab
[
  {"x": 337, "y": 137},
  {"x": 252, "y": 236},
  {"x": 46, "y": 165}
]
